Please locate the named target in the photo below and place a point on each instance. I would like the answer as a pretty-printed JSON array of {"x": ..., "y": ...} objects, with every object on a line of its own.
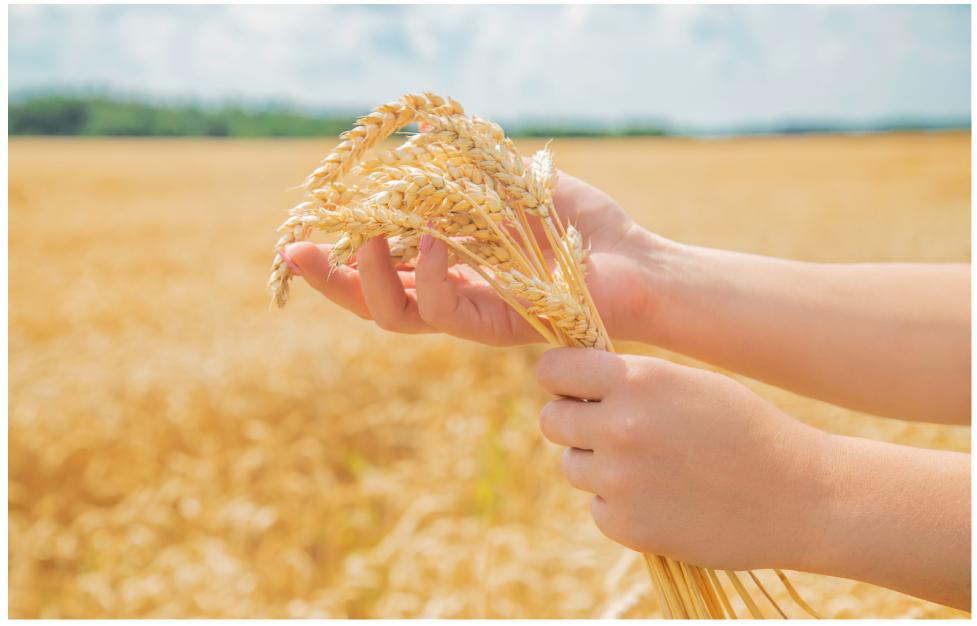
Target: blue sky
[{"x": 689, "y": 65}]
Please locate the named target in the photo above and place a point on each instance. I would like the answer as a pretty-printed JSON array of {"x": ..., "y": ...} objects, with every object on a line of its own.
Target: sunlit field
[{"x": 178, "y": 449}]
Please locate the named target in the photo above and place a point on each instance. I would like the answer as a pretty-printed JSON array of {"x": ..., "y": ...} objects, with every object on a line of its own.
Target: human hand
[
  {"x": 685, "y": 462},
  {"x": 437, "y": 298}
]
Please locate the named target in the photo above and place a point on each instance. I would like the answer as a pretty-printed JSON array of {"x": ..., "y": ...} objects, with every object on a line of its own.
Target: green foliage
[
  {"x": 62, "y": 115},
  {"x": 47, "y": 116},
  {"x": 587, "y": 131},
  {"x": 96, "y": 116},
  {"x": 103, "y": 116}
]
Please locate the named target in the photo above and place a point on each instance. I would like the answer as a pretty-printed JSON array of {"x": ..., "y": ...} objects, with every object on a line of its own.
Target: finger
[
  {"x": 389, "y": 304},
  {"x": 578, "y": 467},
  {"x": 615, "y": 524},
  {"x": 579, "y": 372},
  {"x": 438, "y": 300},
  {"x": 339, "y": 284},
  {"x": 437, "y": 295},
  {"x": 571, "y": 423},
  {"x": 450, "y": 303},
  {"x": 603, "y": 516}
]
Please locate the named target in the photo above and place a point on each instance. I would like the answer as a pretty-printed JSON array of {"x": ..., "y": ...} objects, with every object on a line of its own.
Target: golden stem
[
  {"x": 683, "y": 588},
  {"x": 796, "y": 596},
  {"x": 721, "y": 593},
  {"x": 700, "y": 606},
  {"x": 764, "y": 591},
  {"x": 740, "y": 589}
]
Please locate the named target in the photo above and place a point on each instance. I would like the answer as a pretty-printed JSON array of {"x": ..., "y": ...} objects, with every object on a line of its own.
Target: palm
[{"x": 457, "y": 301}]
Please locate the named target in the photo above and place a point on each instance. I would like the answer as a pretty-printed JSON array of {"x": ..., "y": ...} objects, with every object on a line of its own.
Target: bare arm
[
  {"x": 891, "y": 339},
  {"x": 895, "y": 516}
]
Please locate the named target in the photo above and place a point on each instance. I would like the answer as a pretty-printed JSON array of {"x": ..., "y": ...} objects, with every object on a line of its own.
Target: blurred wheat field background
[{"x": 177, "y": 449}]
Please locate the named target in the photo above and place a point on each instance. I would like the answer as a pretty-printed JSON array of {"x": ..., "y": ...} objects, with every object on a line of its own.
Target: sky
[{"x": 706, "y": 66}]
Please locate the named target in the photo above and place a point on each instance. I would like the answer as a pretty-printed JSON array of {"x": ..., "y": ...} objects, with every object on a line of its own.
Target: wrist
[
  {"x": 821, "y": 538},
  {"x": 661, "y": 267}
]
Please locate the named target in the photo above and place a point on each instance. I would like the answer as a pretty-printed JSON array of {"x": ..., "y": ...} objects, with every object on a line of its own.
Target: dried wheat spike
[
  {"x": 465, "y": 225},
  {"x": 334, "y": 193},
  {"x": 278, "y": 282},
  {"x": 418, "y": 149},
  {"x": 573, "y": 244},
  {"x": 445, "y": 159},
  {"x": 541, "y": 179},
  {"x": 496, "y": 158},
  {"x": 494, "y": 255},
  {"x": 326, "y": 196},
  {"x": 559, "y": 307},
  {"x": 404, "y": 251},
  {"x": 370, "y": 129},
  {"x": 427, "y": 191}
]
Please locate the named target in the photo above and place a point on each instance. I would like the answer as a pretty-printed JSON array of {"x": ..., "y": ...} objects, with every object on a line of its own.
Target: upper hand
[
  {"x": 437, "y": 298},
  {"x": 684, "y": 462}
]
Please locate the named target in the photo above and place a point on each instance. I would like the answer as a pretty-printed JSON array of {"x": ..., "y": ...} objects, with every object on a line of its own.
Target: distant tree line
[
  {"x": 587, "y": 131},
  {"x": 99, "y": 116},
  {"x": 62, "y": 115},
  {"x": 108, "y": 116}
]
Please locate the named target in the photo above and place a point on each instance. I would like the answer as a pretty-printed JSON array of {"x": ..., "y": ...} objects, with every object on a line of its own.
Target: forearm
[
  {"x": 890, "y": 339},
  {"x": 894, "y": 516}
]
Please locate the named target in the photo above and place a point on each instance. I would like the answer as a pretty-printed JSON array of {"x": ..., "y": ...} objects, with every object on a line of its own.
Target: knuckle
[
  {"x": 547, "y": 418},
  {"x": 548, "y": 367},
  {"x": 571, "y": 469},
  {"x": 567, "y": 464},
  {"x": 638, "y": 366}
]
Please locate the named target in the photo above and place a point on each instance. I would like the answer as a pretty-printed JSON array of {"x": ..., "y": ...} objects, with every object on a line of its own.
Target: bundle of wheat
[{"x": 462, "y": 181}]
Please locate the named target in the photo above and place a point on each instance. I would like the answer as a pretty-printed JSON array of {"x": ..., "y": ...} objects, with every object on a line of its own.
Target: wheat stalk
[{"x": 462, "y": 181}]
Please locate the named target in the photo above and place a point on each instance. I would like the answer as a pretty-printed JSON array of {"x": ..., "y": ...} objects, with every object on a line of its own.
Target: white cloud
[{"x": 694, "y": 64}]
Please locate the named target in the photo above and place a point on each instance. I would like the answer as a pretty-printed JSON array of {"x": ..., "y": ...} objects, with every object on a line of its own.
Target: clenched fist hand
[{"x": 683, "y": 462}]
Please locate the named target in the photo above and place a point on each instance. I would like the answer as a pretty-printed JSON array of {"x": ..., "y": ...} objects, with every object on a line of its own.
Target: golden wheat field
[{"x": 178, "y": 449}]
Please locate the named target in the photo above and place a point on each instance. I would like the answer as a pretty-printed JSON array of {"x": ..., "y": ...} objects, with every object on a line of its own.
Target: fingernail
[
  {"x": 426, "y": 242},
  {"x": 292, "y": 265}
]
